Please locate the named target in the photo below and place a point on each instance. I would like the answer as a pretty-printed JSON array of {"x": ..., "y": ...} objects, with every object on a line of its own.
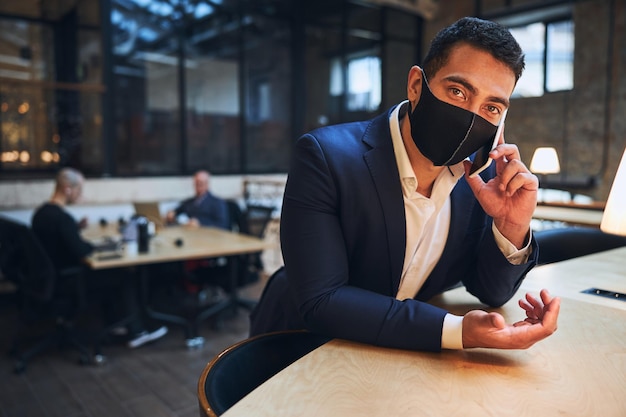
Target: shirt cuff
[
  {"x": 452, "y": 332},
  {"x": 513, "y": 255}
]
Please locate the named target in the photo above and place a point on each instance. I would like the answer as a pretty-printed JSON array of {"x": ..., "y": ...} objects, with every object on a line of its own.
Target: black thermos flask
[{"x": 143, "y": 237}]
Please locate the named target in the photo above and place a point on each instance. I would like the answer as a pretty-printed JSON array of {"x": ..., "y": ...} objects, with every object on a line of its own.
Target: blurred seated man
[
  {"x": 204, "y": 209},
  {"x": 60, "y": 236}
]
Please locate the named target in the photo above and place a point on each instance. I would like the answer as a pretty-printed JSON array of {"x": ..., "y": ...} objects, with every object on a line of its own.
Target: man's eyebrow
[{"x": 459, "y": 80}]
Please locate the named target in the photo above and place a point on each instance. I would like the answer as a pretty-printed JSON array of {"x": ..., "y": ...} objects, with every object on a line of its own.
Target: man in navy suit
[
  {"x": 203, "y": 209},
  {"x": 379, "y": 216}
]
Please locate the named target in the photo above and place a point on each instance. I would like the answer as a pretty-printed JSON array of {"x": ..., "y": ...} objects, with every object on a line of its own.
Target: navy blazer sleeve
[{"x": 343, "y": 241}]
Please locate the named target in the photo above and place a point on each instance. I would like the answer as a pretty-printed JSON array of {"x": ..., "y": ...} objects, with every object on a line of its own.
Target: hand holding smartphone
[{"x": 482, "y": 159}]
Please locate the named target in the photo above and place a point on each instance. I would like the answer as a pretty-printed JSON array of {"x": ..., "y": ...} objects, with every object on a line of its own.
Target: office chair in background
[
  {"x": 46, "y": 297},
  {"x": 253, "y": 221},
  {"x": 256, "y": 219},
  {"x": 212, "y": 278}
]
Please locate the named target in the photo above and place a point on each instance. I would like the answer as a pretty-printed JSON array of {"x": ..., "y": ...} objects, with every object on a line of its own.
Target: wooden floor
[{"x": 155, "y": 380}]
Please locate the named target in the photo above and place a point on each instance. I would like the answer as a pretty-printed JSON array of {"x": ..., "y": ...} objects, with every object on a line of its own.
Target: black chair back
[
  {"x": 237, "y": 217},
  {"x": 44, "y": 294},
  {"x": 564, "y": 243},
  {"x": 257, "y": 217},
  {"x": 252, "y": 221},
  {"x": 24, "y": 260},
  {"x": 239, "y": 369}
]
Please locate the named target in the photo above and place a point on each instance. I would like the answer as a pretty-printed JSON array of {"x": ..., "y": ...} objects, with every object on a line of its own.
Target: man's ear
[
  {"x": 67, "y": 191},
  {"x": 414, "y": 84}
]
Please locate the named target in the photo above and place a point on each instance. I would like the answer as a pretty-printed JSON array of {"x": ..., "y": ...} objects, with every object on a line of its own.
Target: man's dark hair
[{"x": 489, "y": 36}]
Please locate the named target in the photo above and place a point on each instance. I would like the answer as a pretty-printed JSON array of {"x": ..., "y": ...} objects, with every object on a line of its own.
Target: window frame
[{"x": 547, "y": 22}]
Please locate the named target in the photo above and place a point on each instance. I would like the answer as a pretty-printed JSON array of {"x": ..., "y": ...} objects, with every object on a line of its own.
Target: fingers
[
  {"x": 536, "y": 311},
  {"x": 551, "y": 314},
  {"x": 545, "y": 296},
  {"x": 516, "y": 177},
  {"x": 530, "y": 310},
  {"x": 512, "y": 172},
  {"x": 507, "y": 150},
  {"x": 545, "y": 310}
]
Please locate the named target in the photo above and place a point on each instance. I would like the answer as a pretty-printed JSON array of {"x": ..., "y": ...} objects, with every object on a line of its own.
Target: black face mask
[{"x": 447, "y": 134}]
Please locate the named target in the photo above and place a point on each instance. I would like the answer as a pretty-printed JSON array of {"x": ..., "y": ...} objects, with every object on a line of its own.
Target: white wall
[{"x": 111, "y": 198}]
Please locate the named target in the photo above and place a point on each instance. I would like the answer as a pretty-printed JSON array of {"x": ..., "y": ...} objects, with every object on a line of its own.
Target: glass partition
[
  {"x": 50, "y": 97},
  {"x": 162, "y": 87},
  {"x": 268, "y": 94}
]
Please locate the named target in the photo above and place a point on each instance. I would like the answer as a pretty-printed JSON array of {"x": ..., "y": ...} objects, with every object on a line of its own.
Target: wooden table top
[
  {"x": 197, "y": 243},
  {"x": 578, "y": 371},
  {"x": 604, "y": 270}
]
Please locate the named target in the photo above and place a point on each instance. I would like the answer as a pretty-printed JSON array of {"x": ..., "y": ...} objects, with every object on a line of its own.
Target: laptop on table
[{"x": 151, "y": 211}]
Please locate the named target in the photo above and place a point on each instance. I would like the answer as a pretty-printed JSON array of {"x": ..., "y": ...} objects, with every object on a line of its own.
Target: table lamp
[
  {"x": 614, "y": 217},
  {"x": 545, "y": 161}
]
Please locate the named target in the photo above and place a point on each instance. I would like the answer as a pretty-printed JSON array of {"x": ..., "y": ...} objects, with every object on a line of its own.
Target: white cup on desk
[
  {"x": 182, "y": 218},
  {"x": 131, "y": 248}
]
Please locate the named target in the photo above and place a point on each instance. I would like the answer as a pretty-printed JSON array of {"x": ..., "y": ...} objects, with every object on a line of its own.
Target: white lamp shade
[
  {"x": 614, "y": 217},
  {"x": 545, "y": 161}
]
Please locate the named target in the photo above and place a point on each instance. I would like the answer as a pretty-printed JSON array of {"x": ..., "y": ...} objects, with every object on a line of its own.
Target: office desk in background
[
  {"x": 197, "y": 243},
  {"x": 573, "y": 214},
  {"x": 578, "y": 371}
]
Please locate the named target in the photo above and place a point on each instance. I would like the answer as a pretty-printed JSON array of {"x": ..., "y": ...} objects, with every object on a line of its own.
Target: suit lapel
[{"x": 381, "y": 162}]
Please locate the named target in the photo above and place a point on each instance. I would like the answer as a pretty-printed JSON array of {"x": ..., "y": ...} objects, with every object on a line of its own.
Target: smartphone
[{"x": 482, "y": 160}]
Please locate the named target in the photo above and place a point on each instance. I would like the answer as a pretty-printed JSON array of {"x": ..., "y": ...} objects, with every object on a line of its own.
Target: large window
[
  {"x": 560, "y": 56},
  {"x": 50, "y": 90},
  {"x": 345, "y": 65},
  {"x": 549, "y": 50},
  {"x": 364, "y": 82}
]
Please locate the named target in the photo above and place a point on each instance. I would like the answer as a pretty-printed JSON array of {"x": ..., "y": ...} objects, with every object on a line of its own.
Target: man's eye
[
  {"x": 494, "y": 111},
  {"x": 456, "y": 92}
]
